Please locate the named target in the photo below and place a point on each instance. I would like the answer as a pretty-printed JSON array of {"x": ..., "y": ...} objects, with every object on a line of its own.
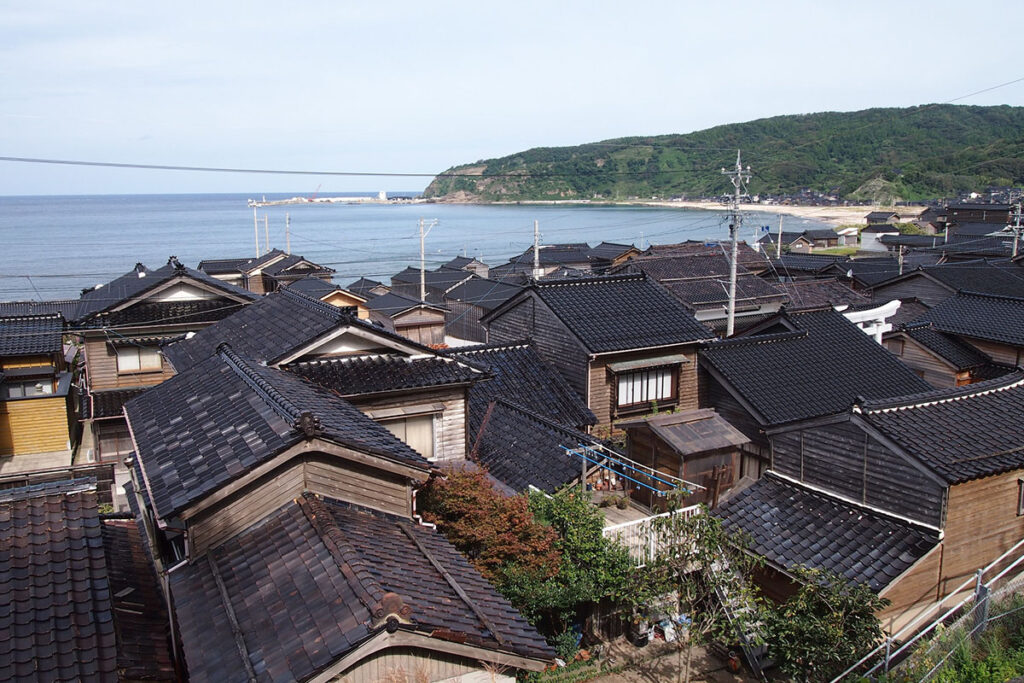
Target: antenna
[{"x": 739, "y": 178}]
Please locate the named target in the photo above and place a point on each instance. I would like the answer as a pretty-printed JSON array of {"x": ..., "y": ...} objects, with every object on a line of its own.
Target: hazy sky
[{"x": 416, "y": 87}]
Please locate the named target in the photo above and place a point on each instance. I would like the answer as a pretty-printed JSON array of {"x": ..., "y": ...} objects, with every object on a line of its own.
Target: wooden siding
[
  {"x": 450, "y": 433},
  {"x": 26, "y": 362},
  {"x": 532, "y": 319},
  {"x": 343, "y": 299},
  {"x": 415, "y": 664},
  {"x": 927, "y": 365},
  {"x": 463, "y": 321},
  {"x": 714, "y": 395},
  {"x": 646, "y": 448},
  {"x": 34, "y": 425},
  {"x": 1000, "y": 353},
  {"x": 101, "y": 366},
  {"x": 603, "y": 389},
  {"x": 844, "y": 459},
  {"x": 981, "y": 524},
  {"x": 915, "y": 588},
  {"x": 326, "y": 475}
]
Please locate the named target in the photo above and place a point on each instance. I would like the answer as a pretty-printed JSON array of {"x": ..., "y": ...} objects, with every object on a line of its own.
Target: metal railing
[{"x": 640, "y": 537}]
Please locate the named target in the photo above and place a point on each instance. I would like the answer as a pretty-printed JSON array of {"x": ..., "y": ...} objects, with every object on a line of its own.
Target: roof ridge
[
  {"x": 538, "y": 417},
  {"x": 589, "y": 280},
  {"x": 986, "y": 295},
  {"x": 274, "y": 398},
  {"x": 315, "y": 305},
  {"x": 480, "y": 348},
  {"x": 757, "y": 339},
  {"x": 49, "y": 488},
  {"x": 941, "y": 396}
]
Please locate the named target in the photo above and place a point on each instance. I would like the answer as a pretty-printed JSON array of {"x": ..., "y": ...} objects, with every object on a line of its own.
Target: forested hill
[{"x": 879, "y": 154}]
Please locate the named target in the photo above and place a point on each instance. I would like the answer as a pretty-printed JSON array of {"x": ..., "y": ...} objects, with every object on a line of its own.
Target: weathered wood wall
[
  {"x": 101, "y": 366},
  {"x": 925, "y": 364},
  {"x": 414, "y": 664},
  {"x": 450, "y": 434},
  {"x": 1000, "y": 353},
  {"x": 603, "y": 389},
  {"x": 927, "y": 290},
  {"x": 843, "y": 458},
  {"x": 463, "y": 321}
]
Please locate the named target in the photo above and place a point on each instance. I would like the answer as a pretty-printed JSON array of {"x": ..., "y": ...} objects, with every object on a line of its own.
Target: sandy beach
[{"x": 833, "y": 215}]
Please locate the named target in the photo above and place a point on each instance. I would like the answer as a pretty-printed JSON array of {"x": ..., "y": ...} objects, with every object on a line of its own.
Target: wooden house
[
  {"x": 435, "y": 282},
  {"x": 367, "y": 288},
  {"x": 751, "y": 259},
  {"x": 870, "y": 237},
  {"x": 942, "y": 470},
  {"x": 331, "y": 294},
  {"x": 285, "y": 534},
  {"x": 36, "y": 409},
  {"x": 472, "y": 265},
  {"x": 941, "y": 359},
  {"x": 990, "y": 323},
  {"x": 973, "y": 212},
  {"x": 820, "y": 293},
  {"x": 468, "y": 302},
  {"x": 698, "y": 280},
  {"x": 122, "y": 326},
  {"x": 797, "y": 366},
  {"x": 621, "y": 342},
  {"x": 933, "y": 284},
  {"x": 694, "y": 445},
  {"x": 608, "y": 255},
  {"x": 416, "y": 392},
  {"x": 882, "y": 218},
  {"x": 413, "y": 319},
  {"x": 266, "y": 273}
]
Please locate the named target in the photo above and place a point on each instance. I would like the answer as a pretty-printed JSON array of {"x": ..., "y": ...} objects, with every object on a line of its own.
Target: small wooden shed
[{"x": 698, "y": 446}]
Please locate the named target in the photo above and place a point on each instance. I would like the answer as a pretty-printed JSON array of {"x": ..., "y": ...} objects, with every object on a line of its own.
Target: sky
[{"x": 418, "y": 87}]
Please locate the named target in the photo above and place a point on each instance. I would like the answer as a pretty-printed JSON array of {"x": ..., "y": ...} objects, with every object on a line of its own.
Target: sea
[{"x": 54, "y": 246}]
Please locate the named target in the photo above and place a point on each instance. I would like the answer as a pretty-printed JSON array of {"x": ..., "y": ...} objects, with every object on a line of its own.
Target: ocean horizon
[{"x": 56, "y": 245}]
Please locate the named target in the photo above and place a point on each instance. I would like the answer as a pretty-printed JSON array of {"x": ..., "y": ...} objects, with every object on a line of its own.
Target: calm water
[{"x": 52, "y": 247}]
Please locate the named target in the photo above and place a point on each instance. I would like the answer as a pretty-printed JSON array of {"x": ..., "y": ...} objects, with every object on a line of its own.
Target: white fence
[{"x": 639, "y": 536}]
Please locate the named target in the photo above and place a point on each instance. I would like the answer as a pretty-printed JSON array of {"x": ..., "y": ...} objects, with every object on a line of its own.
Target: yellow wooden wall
[{"x": 33, "y": 425}]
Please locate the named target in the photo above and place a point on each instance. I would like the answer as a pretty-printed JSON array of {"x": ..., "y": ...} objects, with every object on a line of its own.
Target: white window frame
[
  {"x": 642, "y": 387},
  {"x": 136, "y": 359}
]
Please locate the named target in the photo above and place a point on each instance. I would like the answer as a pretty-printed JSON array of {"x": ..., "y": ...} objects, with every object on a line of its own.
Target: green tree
[
  {"x": 699, "y": 561},
  {"x": 829, "y": 624}
]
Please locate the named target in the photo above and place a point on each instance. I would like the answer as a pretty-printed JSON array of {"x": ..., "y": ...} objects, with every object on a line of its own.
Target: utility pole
[
  {"x": 423, "y": 262},
  {"x": 256, "y": 230},
  {"x": 1016, "y": 227},
  {"x": 900, "y": 258},
  {"x": 778, "y": 249},
  {"x": 288, "y": 234},
  {"x": 536, "y": 250},
  {"x": 738, "y": 177},
  {"x": 266, "y": 233}
]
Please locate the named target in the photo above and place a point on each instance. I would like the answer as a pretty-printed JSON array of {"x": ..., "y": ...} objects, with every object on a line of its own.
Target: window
[
  {"x": 138, "y": 359},
  {"x": 113, "y": 442},
  {"x": 417, "y": 432},
  {"x": 26, "y": 387},
  {"x": 644, "y": 386}
]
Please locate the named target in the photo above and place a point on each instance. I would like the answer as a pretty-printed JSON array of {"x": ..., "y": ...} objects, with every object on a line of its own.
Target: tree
[
  {"x": 700, "y": 562},
  {"x": 829, "y": 624}
]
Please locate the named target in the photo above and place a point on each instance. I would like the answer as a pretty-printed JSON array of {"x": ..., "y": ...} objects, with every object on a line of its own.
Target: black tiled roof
[
  {"x": 487, "y": 294},
  {"x": 806, "y": 294},
  {"x": 608, "y": 251},
  {"x": 295, "y": 266},
  {"x": 574, "y": 253},
  {"x": 442, "y": 279},
  {"x": 66, "y": 307},
  {"x": 362, "y": 287},
  {"x": 265, "y": 330},
  {"x": 521, "y": 376},
  {"x": 392, "y": 304},
  {"x": 960, "y": 355},
  {"x": 357, "y": 375},
  {"x": 304, "y": 585},
  {"x": 973, "y": 246},
  {"x": 619, "y": 313},
  {"x": 746, "y": 255},
  {"x": 819, "y": 368},
  {"x": 866, "y": 271},
  {"x": 56, "y": 615},
  {"x": 805, "y": 263},
  {"x": 992, "y": 318},
  {"x": 226, "y": 415},
  {"x": 974, "y": 229},
  {"x": 313, "y": 286},
  {"x": 961, "y": 434},
  {"x": 982, "y": 276},
  {"x": 714, "y": 292},
  {"x": 521, "y": 449},
  {"x": 139, "y": 280},
  {"x": 109, "y": 403},
  {"x": 791, "y": 525},
  {"x": 140, "y": 616},
  {"x": 29, "y": 335},
  {"x": 190, "y": 312}
]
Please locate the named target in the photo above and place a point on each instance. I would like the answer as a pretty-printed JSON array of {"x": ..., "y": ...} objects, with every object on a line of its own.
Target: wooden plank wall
[
  {"x": 603, "y": 381},
  {"x": 1000, "y": 353},
  {"x": 463, "y": 321},
  {"x": 843, "y": 458},
  {"x": 929, "y": 292},
  {"x": 34, "y": 425},
  {"x": 917, "y": 587},
  {"x": 531, "y": 319},
  {"x": 414, "y": 664},
  {"x": 714, "y": 395},
  {"x": 926, "y": 365},
  {"x": 27, "y": 362},
  {"x": 450, "y": 439},
  {"x": 101, "y": 365}
]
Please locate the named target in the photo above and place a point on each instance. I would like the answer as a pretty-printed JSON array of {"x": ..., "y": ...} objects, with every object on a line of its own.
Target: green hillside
[{"x": 879, "y": 154}]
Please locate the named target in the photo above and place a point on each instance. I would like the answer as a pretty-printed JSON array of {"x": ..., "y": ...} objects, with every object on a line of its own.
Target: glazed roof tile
[
  {"x": 65, "y": 307},
  {"x": 392, "y": 304},
  {"x": 40, "y": 334},
  {"x": 140, "y": 616},
  {"x": 982, "y": 276},
  {"x": 805, "y": 263},
  {"x": 441, "y": 280},
  {"x": 746, "y": 255},
  {"x": 315, "y": 287},
  {"x": 522, "y": 377},
  {"x": 304, "y": 585},
  {"x": 140, "y": 280},
  {"x": 363, "y": 285},
  {"x": 376, "y": 373},
  {"x": 226, "y": 415},
  {"x": 109, "y": 403},
  {"x": 818, "y": 368},
  {"x": 56, "y": 615},
  {"x": 961, "y": 434},
  {"x": 992, "y": 318},
  {"x": 960, "y": 355},
  {"x": 163, "y": 313},
  {"x": 807, "y": 294},
  {"x": 620, "y": 313},
  {"x": 609, "y": 251},
  {"x": 487, "y": 294},
  {"x": 714, "y": 292},
  {"x": 265, "y": 330},
  {"x": 790, "y": 525}
]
